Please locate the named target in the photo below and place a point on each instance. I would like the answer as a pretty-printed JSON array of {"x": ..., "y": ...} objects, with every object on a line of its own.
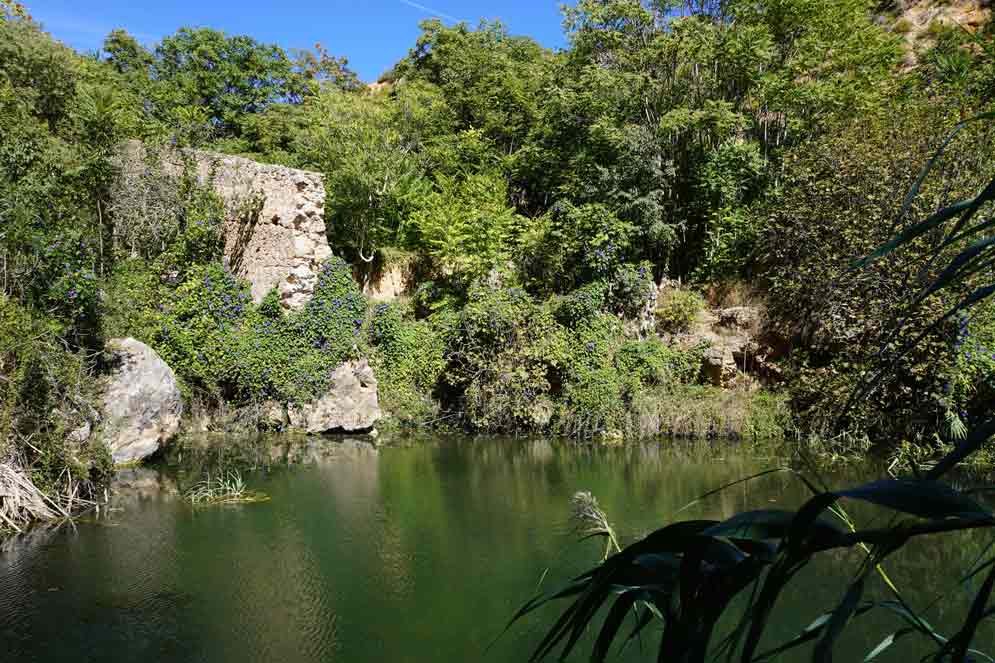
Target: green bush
[
  {"x": 605, "y": 373},
  {"x": 677, "y": 309},
  {"x": 291, "y": 357},
  {"x": 582, "y": 304},
  {"x": 409, "y": 357},
  {"x": 652, "y": 362},
  {"x": 46, "y": 392},
  {"x": 631, "y": 290},
  {"x": 504, "y": 353},
  {"x": 225, "y": 348}
]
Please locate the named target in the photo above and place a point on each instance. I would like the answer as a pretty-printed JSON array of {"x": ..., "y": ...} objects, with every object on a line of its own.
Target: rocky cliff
[{"x": 274, "y": 227}]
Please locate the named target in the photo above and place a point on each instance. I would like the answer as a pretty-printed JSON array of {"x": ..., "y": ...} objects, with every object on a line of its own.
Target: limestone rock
[
  {"x": 274, "y": 226},
  {"x": 718, "y": 365},
  {"x": 388, "y": 283},
  {"x": 142, "y": 402},
  {"x": 350, "y": 405},
  {"x": 731, "y": 339}
]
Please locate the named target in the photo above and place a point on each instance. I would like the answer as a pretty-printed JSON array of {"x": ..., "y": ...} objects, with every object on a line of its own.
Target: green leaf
[{"x": 918, "y": 497}]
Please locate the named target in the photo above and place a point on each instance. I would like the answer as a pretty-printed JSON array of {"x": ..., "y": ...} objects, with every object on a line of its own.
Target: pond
[{"x": 414, "y": 553}]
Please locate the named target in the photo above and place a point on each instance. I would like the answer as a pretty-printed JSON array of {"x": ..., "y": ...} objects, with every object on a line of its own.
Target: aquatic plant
[{"x": 227, "y": 487}]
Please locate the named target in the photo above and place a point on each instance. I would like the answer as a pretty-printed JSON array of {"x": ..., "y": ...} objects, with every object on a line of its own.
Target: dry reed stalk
[{"x": 21, "y": 502}]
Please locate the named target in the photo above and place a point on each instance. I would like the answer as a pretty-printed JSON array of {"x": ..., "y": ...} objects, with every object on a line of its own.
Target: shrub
[
  {"x": 195, "y": 331},
  {"x": 409, "y": 359},
  {"x": 46, "y": 392},
  {"x": 582, "y": 304},
  {"x": 573, "y": 245},
  {"x": 465, "y": 223},
  {"x": 504, "y": 353},
  {"x": 223, "y": 347},
  {"x": 605, "y": 372},
  {"x": 677, "y": 310},
  {"x": 291, "y": 357},
  {"x": 653, "y": 362},
  {"x": 632, "y": 289}
]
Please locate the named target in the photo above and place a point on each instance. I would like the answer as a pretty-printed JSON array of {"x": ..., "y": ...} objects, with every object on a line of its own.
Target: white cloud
[{"x": 429, "y": 10}]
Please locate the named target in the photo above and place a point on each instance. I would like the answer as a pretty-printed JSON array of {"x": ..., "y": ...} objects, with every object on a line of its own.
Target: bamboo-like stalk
[{"x": 21, "y": 502}]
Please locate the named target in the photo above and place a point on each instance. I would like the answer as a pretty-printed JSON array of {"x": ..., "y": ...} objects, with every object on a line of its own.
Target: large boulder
[
  {"x": 349, "y": 406},
  {"x": 142, "y": 402}
]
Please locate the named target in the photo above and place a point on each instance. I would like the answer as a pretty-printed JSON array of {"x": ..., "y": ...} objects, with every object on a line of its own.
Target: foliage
[
  {"x": 53, "y": 175},
  {"x": 200, "y": 83},
  {"x": 465, "y": 224},
  {"x": 225, "y": 348},
  {"x": 11, "y": 9},
  {"x": 372, "y": 177},
  {"x": 677, "y": 310},
  {"x": 839, "y": 202},
  {"x": 503, "y": 352},
  {"x": 689, "y": 575},
  {"x": 409, "y": 361},
  {"x": 46, "y": 392},
  {"x": 489, "y": 78},
  {"x": 572, "y": 245}
]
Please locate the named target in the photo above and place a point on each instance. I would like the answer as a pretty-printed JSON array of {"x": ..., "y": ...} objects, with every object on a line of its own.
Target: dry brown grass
[
  {"x": 733, "y": 293},
  {"x": 21, "y": 502},
  {"x": 705, "y": 412}
]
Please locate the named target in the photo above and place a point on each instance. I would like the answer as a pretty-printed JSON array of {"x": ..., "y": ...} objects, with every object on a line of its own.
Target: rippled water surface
[{"x": 416, "y": 553}]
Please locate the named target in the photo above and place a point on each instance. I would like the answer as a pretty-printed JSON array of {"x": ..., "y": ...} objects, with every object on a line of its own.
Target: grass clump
[{"x": 226, "y": 487}]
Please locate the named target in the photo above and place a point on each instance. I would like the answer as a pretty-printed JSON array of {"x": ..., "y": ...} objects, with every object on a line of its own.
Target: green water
[{"x": 419, "y": 554}]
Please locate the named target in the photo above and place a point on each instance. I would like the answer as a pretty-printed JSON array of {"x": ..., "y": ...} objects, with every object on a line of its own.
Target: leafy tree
[
  {"x": 491, "y": 80},
  {"x": 465, "y": 224},
  {"x": 322, "y": 69},
  {"x": 372, "y": 174},
  {"x": 13, "y": 9},
  {"x": 647, "y": 95},
  {"x": 229, "y": 76},
  {"x": 126, "y": 55}
]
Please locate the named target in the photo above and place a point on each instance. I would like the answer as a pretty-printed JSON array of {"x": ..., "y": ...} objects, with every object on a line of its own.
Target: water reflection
[{"x": 392, "y": 554}]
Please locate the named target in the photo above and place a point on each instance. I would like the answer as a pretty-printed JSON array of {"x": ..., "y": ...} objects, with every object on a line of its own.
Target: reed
[{"x": 225, "y": 487}]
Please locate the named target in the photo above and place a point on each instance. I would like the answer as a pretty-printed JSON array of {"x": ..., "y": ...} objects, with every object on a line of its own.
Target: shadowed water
[{"x": 417, "y": 553}]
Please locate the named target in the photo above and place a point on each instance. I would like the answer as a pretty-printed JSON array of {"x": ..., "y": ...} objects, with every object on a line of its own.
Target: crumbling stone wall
[{"x": 274, "y": 227}]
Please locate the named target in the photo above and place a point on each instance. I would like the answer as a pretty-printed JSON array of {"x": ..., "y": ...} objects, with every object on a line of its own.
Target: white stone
[{"x": 142, "y": 402}]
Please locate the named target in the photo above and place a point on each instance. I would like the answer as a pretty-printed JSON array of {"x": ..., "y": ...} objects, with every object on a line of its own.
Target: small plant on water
[{"x": 225, "y": 487}]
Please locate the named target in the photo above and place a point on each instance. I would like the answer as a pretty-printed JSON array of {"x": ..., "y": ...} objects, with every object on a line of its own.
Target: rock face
[
  {"x": 731, "y": 336},
  {"x": 350, "y": 405},
  {"x": 389, "y": 284},
  {"x": 142, "y": 402},
  {"x": 914, "y": 20},
  {"x": 274, "y": 228}
]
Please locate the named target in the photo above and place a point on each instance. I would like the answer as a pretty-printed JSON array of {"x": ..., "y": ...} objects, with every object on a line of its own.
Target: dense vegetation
[{"x": 731, "y": 147}]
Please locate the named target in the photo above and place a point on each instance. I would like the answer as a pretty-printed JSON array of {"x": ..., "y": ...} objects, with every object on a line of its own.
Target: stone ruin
[{"x": 274, "y": 226}]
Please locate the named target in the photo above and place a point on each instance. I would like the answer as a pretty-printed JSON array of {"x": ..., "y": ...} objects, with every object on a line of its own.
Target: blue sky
[{"x": 373, "y": 34}]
